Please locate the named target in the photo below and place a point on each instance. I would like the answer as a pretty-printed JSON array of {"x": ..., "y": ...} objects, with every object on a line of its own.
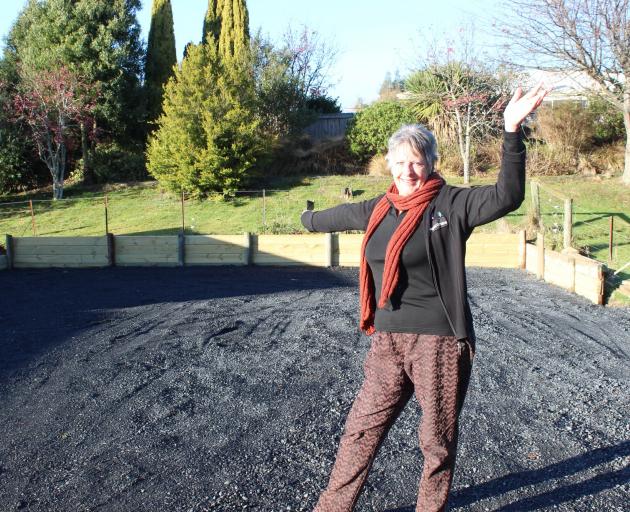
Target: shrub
[
  {"x": 378, "y": 166},
  {"x": 371, "y": 128},
  {"x": 567, "y": 126},
  {"x": 607, "y": 121},
  {"x": 112, "y": 163},
  {"x": 19, "y": 168},
  {"x": 450, "y": 161},
  {"x": 323, "y": 104},
  {"x": 487, "y": 154},
  {"x": 545, "y": 160}
]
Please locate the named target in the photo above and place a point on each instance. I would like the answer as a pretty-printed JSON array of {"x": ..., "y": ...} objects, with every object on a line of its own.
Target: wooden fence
[
  {"x": 321, "y": 250},
  {"x": 571, "y": 271},
  {"x": 329, "y": 126}
]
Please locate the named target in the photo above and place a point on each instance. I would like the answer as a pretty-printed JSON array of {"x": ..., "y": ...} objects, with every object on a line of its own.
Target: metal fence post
[
  {"x": 30, "y": 203},
  {"x": 610, "y": 239}
]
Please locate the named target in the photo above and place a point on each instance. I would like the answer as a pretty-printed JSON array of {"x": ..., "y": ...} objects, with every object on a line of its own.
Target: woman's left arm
[{"x": 485, "y": 204}]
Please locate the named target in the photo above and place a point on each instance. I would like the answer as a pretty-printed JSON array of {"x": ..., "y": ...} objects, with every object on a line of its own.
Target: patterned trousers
[{"x": 438, "y": 369}]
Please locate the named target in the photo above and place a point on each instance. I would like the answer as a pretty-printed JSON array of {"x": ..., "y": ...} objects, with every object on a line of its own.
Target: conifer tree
[
  {"x": 161, "y": 56},
  {"x": 234, "y": 33},
  {"x": 212, "y": 23},
  {"x": 209, "y": 136}
]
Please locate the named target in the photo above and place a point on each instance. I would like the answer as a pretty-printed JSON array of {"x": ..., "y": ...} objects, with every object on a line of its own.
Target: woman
[{"x": 413, "y": 300}]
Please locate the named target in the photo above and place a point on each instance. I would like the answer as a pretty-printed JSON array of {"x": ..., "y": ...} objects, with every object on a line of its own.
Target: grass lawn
[{"x": 145, "y": 209}]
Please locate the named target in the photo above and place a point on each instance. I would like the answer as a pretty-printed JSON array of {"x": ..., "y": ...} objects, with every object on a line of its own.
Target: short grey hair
[{"x": 420, "y": 138}]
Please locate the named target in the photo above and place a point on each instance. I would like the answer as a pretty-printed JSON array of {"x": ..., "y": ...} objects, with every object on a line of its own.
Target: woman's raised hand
[{"x": 521, "y": 105}]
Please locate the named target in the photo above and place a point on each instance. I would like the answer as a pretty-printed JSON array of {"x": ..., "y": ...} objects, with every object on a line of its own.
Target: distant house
[{"x": 567, "y": 85}]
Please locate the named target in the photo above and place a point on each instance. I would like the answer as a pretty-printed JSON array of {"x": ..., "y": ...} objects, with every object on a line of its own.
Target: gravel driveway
[{"x": 226, "y": 388}]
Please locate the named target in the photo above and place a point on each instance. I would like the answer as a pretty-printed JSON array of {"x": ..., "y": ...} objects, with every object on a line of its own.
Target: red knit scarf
[{"x": 415, "y": 205}]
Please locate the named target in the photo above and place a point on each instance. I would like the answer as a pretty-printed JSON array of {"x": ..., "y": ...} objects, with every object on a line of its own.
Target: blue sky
[{"x": 372, "y": 37}]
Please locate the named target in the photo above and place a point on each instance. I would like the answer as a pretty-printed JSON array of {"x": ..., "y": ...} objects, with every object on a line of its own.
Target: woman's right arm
[{"x": 345, "y": 217}]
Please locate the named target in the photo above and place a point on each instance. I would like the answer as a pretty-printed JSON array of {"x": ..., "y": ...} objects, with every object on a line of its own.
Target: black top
[
  {"x": 414, "y": 305},
  {"x": 444, "y": 228}
]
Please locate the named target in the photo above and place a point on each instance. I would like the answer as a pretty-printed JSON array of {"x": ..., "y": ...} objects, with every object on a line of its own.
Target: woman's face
[{"x": 409, "y": 169}]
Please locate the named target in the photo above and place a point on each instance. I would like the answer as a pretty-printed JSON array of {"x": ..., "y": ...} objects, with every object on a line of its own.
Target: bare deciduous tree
[
  {"x": 591, "y": 36},
  {"x": 459, "y": 94},
  {"x": 311, "y": 60}
]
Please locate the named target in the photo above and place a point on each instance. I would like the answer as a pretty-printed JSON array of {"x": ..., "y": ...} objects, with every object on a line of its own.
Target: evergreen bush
[
  {"x": 607, "y": 122},
  {"x": 372, "y": 127},
  {"x": 208, "y": 137}
]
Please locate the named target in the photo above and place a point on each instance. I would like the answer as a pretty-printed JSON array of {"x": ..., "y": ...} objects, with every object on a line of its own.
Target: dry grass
[
  {"x": 568, "y": 126},
  {"x": 378, "y": 166}
]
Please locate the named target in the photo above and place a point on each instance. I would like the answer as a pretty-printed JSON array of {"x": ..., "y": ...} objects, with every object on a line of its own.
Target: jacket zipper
[{"x": 435, "y": 283}]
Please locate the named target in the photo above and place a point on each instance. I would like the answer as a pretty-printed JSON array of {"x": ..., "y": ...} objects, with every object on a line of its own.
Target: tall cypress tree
[
  {"x": 212, "y": 23},
  {"x": 161, "y": 56},
  {"x": 234, "y": 34}
]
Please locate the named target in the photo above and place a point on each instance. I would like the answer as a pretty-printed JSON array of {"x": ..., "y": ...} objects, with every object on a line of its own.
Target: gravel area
[{"x": 226, "y": 389}]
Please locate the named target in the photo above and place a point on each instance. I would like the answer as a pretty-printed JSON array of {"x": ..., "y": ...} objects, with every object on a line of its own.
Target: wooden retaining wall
[
  {"x": 58, "y": 251},
  {"x": 572, "y": 272},
  {"x": 321, "y": 250}
]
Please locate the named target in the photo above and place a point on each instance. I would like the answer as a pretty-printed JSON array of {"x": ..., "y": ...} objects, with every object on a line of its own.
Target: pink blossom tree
[{"x": 54, "y": 104}]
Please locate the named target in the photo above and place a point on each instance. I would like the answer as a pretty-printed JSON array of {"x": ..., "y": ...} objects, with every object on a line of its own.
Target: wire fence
[
  {"x": 604, "y": 236},
  {"x": 153, "y": 213}
]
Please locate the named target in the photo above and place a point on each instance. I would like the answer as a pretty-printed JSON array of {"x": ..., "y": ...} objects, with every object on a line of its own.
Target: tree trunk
[
  {"x": 460, "y": 140},
  {"x": 57, "y": 189},
  {"x": 626, "y": 122},
  {"x": 467, "y": 148},
  {"x": 58, "y": 169},
  {"x": 467, "y": 159}
]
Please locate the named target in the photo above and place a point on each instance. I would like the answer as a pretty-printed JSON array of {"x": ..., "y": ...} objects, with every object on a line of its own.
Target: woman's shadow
[{"x": 565, "y": 493}]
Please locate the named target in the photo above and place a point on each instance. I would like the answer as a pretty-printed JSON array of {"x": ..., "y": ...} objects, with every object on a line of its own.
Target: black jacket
[{"x": 447, "y": 224}]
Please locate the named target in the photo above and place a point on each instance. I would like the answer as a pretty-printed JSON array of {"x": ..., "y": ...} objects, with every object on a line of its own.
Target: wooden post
[
  {"x": 183, "y": 223},
  {"x": 602, "y": 285},
  {"x": 540, "y": 245},
  {"x": 30, "y": 203},
  {"x": 536, "y": 202},
  {"x": 610, "y": 239},
  {"x": 264, "y": 211},
  {"x": 568, "y": 222},
  {"x": 111, "y": 250},
  {"x": 522, "y": 249},
  {"x": 9, "y": 247},
  {"x": 248, "y": 248},
  {"x": 106, "y": 217},
  {"x": 329, "y": 249},
  {"x": 181, "y": 248}
]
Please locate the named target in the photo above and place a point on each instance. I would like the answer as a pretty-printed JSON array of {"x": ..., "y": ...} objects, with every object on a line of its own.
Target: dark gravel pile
[{"x": 227, "y": 388}]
